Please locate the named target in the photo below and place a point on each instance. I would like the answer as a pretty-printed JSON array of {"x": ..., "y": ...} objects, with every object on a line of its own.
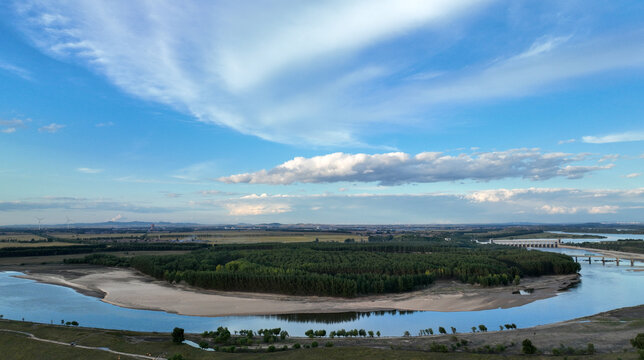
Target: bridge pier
[
  {"x": 617, "y": 260},
  {"x": 632, "y": 262},
  {"x": 603, "y": 261}
]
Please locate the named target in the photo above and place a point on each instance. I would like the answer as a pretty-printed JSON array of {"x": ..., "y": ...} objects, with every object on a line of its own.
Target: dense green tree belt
[
  {"x": 627, "y": 245},
  {"x": 86, "y": 249},
  {"x": 337, "y": 269}
]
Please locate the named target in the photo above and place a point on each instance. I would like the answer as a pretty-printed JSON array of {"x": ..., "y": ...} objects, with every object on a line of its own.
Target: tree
[
  {"x": 378, "y": 333},
  {"x": 473, "y": 329},
  {"x": 453, "y": 330},
  {"x": 527, "y": 347},
  {"x": 177, "y": 335},
  {"x": 638, "y": 341},
  {"x": 203, "y": 344},
  {"x": 442, "y": 330},
  {"x": 483, "y": 328},
  {"x": 407, "y": 333},
  {"x": 283, "y": 334}
]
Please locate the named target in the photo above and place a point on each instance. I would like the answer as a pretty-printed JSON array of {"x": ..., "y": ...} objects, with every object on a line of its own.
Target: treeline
[
  {"x": 85, "y": 249},
  {"x": 626, "y": 245},
  {"x": 347, "y": 270}
]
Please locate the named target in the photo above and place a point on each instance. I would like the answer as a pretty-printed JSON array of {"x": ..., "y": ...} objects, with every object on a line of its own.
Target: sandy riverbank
[{"x": 127, "y": 288}]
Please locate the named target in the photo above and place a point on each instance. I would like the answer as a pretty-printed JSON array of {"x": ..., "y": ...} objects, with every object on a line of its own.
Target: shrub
[
  {"x": 296, "y": 346},
  {"x": 176, "y": 357},
  {"x": 177, "y": 335},
  {"x": 203, "y": 344},
  {"x": 438, "y": 348},
  {"x": 638, "y": 341},
  {"x": 271, "y": 348},
  {"x": 314, "y": 344},
  {"x": 527, "y": 347},
  {"x": 328, "y": 344}
]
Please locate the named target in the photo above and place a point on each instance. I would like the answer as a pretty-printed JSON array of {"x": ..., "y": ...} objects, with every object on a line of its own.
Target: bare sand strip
[{"x": 130, "y": 289}]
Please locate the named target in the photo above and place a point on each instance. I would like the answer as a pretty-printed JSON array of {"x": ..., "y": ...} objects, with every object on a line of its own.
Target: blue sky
[{"x": 324, "y": 112}]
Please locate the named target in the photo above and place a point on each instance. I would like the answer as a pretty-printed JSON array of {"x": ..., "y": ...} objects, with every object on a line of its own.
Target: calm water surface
[{"x": 603, "y": 287}]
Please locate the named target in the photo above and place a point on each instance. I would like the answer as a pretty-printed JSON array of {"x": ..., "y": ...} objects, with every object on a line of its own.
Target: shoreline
[{"x": 130, "y": 289}]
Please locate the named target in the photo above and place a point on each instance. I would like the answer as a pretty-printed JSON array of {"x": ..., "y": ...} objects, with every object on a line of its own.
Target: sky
[{"x": 345, "y": 112}]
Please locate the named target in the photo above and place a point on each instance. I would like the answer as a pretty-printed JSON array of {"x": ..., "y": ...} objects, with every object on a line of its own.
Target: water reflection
[{"x": 334, "y": 318}]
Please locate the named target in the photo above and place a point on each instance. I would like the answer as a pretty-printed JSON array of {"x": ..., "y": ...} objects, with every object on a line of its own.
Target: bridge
[
  {"x": 605, "y": 256},
  {"x": 529, "y": 243}
]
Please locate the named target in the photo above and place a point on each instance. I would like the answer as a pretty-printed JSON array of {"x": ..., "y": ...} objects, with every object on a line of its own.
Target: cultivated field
[
  {"x": 20, "y": 237},
  {"x": 35, "y": 244}
]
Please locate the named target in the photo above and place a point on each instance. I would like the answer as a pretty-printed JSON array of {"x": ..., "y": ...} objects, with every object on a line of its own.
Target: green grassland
[
  {"x": 35, "y": 244},
  {"x": 18, "y": 346},
  {"x": 20, "y": 237}
]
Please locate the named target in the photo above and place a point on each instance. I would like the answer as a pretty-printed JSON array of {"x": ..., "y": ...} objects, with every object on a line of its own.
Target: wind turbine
[{"x": 39, "y": 220}]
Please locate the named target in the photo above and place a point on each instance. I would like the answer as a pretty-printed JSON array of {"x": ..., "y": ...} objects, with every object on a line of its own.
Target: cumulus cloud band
[{"x": 427, "y": 167}]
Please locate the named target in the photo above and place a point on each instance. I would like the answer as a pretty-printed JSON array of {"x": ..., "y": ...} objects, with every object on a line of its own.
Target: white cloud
[
  {"x": 399, "y": 168},
  {"x": 51, "y": 128},
  {"x": 105, "y": 124},
  {"x": 541, "y": 66},
  {"x": 568, "y": 141},
  {"x": 116, "y": 218},
  {"x": 242, "y": 209},
  {"x": 296, "y": 73},
  {"x": 613, "y": 138},
  {"x": 11, "y": 126},
  {"x": 16, "y": 70},
  {"x": 195, "y": 172},
  {"x": 86, "y": 170},
  {"x": 604, "y": 209},
  {"x": 632, "y": 175},
  {"x": 554, "y": 210},
  {"x": 498, "y": 195},
  {"x": 221, "y": 62}
]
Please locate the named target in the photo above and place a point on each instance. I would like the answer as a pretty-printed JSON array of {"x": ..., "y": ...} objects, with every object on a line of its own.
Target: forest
[
  {"x": 626, "y": 245},
  {"x": 84, "y": 249},
  {"x": 343, "y": 269}
]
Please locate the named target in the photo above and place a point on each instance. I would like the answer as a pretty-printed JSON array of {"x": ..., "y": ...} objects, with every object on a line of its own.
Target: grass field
[
  {"x": 609, "y": 331},
  {"x": 218, "y": 237},
  {"x": 16, "y": 346},
  {"x": 36, "y": 244},
  {"x": 8, "y": 237},
  {"x": 236, "y": 237}
]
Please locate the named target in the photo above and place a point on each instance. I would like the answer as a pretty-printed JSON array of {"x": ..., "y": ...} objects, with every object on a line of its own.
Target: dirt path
[{"x": 33, "y": 337}]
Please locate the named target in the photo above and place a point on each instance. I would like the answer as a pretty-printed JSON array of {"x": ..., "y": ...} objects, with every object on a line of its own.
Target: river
[{"x": 603, "y": 287}]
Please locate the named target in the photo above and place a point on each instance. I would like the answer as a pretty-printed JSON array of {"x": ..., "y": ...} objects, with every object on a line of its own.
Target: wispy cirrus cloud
[
  {"x": 51, "y": 128},
  {"x": 77, "y": 203},
  {"x": 16, "y": 70},
  {"x": 86, "y": 170},
  {"x": 427, "y": 167},
  {"x": 230, "y": 64},
  {"x": 11, "y": 126},
  {"x": 614, "y": 138}
]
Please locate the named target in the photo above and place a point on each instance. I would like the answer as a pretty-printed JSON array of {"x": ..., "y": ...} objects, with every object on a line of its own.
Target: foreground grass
[{"x": 16, "y": 346}]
